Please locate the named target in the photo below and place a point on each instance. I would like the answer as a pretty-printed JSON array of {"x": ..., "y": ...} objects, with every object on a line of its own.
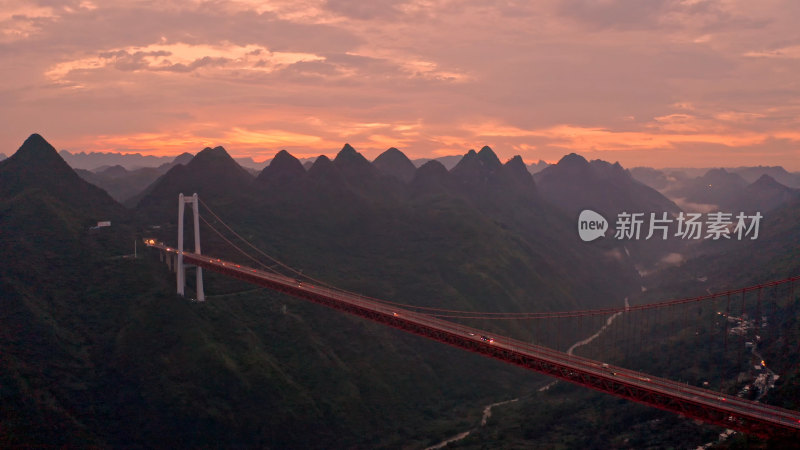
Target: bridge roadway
[{"x": 702, "y": 404}]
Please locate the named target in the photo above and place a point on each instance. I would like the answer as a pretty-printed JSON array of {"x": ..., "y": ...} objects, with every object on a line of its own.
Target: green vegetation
[{"x": 96, "y": 350}]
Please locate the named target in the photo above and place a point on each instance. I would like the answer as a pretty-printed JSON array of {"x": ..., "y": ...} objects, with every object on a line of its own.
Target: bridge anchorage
[{"x": 700, "y": 403}]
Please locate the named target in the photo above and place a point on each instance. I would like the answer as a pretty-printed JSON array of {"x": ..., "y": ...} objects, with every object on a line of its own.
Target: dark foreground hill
[
  {"x": 98, "y": 351},
  {"x": 575, "y": 184},
  {"x": 36, "y": 166},
  {"x": 212, "y": 172}
]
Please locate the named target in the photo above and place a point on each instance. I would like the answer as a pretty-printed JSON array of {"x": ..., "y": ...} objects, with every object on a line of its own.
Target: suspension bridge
[{"x": 729, "y": 311}]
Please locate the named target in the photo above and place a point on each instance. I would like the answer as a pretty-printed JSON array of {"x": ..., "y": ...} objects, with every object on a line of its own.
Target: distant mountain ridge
[
  {"x": 538, "y": 166},
  {"x": 764, "y": 194},
  {"x": 98, "y": 350},
  {"x": 447, "y": 161},
  {"x": 778, "y": 173},
  {"x": 347, "y": 187},
  {"x": 727, "y": 191},
  {"x": 211, "y": 172},
  {"x": 123, "y": 184},
  {"x": 478, "y": 177},
  {"x": 395, "y": 163},
  {"x": 575, "y": 184},
  {"x": 715, "y": 187},
  {"x": 132, "y": 161},
  {"x": 284, "y": 168},
  {"x": 94, "y": 160},
  {"x": 669, "y": 178},
  {"x": 128, "y": 185}
]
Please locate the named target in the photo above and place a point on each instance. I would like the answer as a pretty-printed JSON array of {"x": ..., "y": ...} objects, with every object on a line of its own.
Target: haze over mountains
[
  {"x": 571, "y": 185},
  {"x": 122, "y": 184},
  {"x": 97, "y": 350},
  {"x": 98, "y": 347},
  {"x": 575, "y": 184},
  {"x": 731, "y": 190},
  {"x": 683, "y": 185},
  {"x": 98, "y": 161}
]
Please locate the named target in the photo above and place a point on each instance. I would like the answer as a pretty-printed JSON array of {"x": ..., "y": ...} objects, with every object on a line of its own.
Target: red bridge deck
[{"x": 702, "y": 404}]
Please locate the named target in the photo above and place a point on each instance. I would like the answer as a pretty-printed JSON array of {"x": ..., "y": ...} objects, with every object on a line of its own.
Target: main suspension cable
[
  {"x": 486, "y": 315},
  {"x": 236, "y": 247},
  {"x": 246, "y": 241}
]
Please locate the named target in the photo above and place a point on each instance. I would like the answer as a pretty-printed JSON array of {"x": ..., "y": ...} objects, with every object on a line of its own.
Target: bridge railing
[{"x": 601, "y": 370}]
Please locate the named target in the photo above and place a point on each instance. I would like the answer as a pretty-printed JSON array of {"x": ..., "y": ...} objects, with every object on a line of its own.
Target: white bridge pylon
[{"x": 180, "y": 267}]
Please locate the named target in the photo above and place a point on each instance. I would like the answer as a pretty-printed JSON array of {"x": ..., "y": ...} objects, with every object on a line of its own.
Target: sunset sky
[{"x": 663, "y": 83}]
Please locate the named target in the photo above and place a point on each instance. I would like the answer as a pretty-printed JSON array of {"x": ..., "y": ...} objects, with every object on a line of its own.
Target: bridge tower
[{"x": 180, "y": 268}]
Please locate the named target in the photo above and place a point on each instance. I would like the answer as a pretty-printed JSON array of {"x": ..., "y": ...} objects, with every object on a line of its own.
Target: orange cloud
[
  {"x": 182, "y": 57},
  {"x": 668, "y": 132},
  {"x": 245, "y": 138}
]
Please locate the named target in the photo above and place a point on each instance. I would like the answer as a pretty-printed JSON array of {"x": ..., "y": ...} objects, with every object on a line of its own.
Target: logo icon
[{"x": 591, "y": 225}]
